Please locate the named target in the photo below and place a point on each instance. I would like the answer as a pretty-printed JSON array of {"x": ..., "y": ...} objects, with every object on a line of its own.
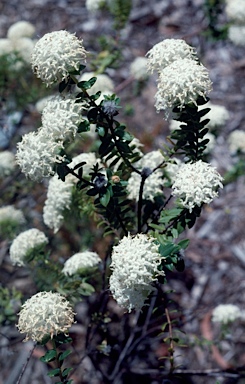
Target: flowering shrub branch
[{"x": 142, "y": 205}]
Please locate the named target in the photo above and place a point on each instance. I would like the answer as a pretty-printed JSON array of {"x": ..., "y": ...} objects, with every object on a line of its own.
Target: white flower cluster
[
  {"x": 166, "y": 52},
  {"x": 94, "y": 5},
  {"x": 41, "y": 103},
  {"x": 37, "y": 153},
  {"x": 218, "y": 115},
  {"x": 59, "y": 197},
  {"x": 45, "y": 314},
  {"x": 154, "y": 181},
  {"x": 172, "y": 168},
  {"x": 236, "y": 34},
  {"x": 55, "y": 55},
  {"x": 81, "y": 260},
  {"x": 19, "y": 40},
  {"x": 7, "y": 163},
  {"x": 235, "y": 11},
  {"x": 181, "y": 79},
  {"x": 134, "y": 265},
  {"x": 24, "y": 243},
  {"x": 196, "y": 183},
  {"x": 226, "y": 313},
  {"x": 236, "y": 141},
  {"x": 10, "y": 214},
  {"x": 61, "y": 117},
  {"x": 138, "y": 68},
  {"x": 181, "y": 83}
]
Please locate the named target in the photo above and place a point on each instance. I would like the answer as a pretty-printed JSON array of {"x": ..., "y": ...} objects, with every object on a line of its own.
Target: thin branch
[
  {"x": 26, "y": 363},
  {"x": 124, "y": 352}
]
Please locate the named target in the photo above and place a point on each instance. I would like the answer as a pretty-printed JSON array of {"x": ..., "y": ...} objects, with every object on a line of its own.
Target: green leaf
[
  {"x": 174, "y": 233},
  {"x": 86, "y": 84},
  {"x": 84, "y": 126},
  {"x": 86, "y": 289},
  {"x": 63, "y": 170},
  {"x": 183, "y": 244},
  {"x": 104, "y": 200},
  {"x": 49, "y": 356},
  {"x": 157, "y": 227},
  {"x": 167, "y": 249},
  {"x": 63, "y": 355},
  {"x": 101, "y": 131},
  {"x": 66, "y": 372},
  {"x": 93, "y": 115},
  {"x": 54, "y": 372},
  {"x": 62, "y": 86}
]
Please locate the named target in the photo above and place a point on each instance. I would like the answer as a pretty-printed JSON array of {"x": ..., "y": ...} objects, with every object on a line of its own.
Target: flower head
[
  {"x": 172, "y": 167},
  {"x": 10, "y": 214},
  {"x": 45, "y": 314},
  {"x": 226, "y": 313},
  {"x": 110, "y": 107},
  {"x": 180, "y": 83},
  {"x": 59, "y": 198},
  {"x": 218, "y": 115},
  {"x": 94, "y": 5},
  {"x": 134, "y": 263},
  {"x": 41, "y": 103},
  {"x": 6, "y": 46},
  {"x": 235, "y": 11},
  {"x": 24, "y": 47},
  {"x": 166, "y": 52},
  {"x": 82, "y": 260},
  {"x": 7, "y": 163},
  {"x": 138, "y": 68},
  {"x": 20, "y": 29},
  {"x": 29, "y": 241},
  {"x": 61, "y": 117},
  {"x": 153, "y": 182},
  {"x": 236, "y": 141},
  {"x": 196, "y": 183},
  {"x": 37, "y": 153},
  {"x": 55, "y": 55},
  {"x": 236, "y": 34}
]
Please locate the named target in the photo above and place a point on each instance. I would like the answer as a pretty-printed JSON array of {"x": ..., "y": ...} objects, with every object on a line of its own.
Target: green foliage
[
  {"x": 216, "y": 28},
  {"x": 171, "y": 253},
  {"x": 237, "y": 170},
  {"x": 120, "y": 9},
  {"x": 53, "y": 355},
  {"x": 9, "y": 229},
  {"x": 9, "y": 305},
  {"x": 188, "y": 139},
  {"x": 18, "y": 86},
  {"x": 109, "y": 56}
]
